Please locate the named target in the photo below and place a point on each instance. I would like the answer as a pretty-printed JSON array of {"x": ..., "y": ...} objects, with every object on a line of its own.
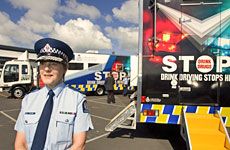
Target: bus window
[
  {"x": 91, "y": 64},
  {"x": 98, "y": 67},
  {"x": 76, "y": 66}
]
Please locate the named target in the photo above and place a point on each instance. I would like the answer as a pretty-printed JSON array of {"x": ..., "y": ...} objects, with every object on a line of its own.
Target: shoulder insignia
[{"x": 85, "y": 107}]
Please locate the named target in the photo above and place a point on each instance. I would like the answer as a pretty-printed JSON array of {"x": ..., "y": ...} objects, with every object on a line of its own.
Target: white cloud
[
  {"x": 38, "y": 17},
  {"x": 14, "y": 34},
  {"x": 74, "y": 8},
  {"x": 128, "y": 11},
  {"x": 108, "y": 18},
  {"x": 127, "y": 38},
  {"x": 4, "y": 18},
  {"x": 5, "y": 40},
  {"x": 81, "y": 35},
  {"x": 37, "y": 22},
  {"x": 44, "y": 6}
]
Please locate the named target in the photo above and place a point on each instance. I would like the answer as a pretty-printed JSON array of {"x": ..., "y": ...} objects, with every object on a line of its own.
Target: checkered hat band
[
  {"x": 58, "y": 55},
  {"x": 52, "y": 58}
]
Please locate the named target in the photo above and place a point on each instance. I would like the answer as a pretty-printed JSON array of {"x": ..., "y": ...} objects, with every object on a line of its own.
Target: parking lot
[{"x": 146, "y": 136}]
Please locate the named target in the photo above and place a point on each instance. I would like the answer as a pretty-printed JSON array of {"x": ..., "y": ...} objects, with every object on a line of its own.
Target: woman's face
[{"x": 52, "y": 73}]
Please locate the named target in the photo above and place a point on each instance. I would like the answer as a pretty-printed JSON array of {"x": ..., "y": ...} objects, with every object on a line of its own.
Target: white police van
[
  {"x": 86, "y": 73},
  {"x": 18, "y": 76}
]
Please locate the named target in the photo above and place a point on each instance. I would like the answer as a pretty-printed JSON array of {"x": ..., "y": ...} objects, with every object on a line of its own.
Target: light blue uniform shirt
[
  {"x": 70, "y": 115},
  {"x": 126, "y": 81}
]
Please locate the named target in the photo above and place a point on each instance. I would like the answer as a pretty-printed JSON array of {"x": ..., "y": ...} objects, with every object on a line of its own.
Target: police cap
[{"x": 53, "y": 49}]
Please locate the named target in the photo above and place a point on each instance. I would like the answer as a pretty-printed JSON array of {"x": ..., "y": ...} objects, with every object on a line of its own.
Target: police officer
[
  {"x": 109, "y": 86},
  {"x": 55, "y": 117},
  {"x": 125, "y": 85}
]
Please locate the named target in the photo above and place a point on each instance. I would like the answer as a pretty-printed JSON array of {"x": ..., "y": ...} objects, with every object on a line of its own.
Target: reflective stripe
[
  {"x": 170, "y": 114},
  {"x": 93, "y": 87}
]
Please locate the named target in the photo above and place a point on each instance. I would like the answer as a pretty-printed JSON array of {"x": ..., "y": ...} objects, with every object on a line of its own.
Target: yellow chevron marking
[
  {"x": 73, "y": 85},
  {"x": 142, "y": 118},
  {"x": 95, "y": 86},
  {"x": 202, "y": 110},
  {"x": 227, "y": 122},
  {"x": 158, "y": 107},
  {"x": 88, "y": 87},
  {"x": 225, "y": 111},
  {"x": 162, "y": 118},
  {"x": 81, "y": 87},
  {"x": 177, "y": 110}
]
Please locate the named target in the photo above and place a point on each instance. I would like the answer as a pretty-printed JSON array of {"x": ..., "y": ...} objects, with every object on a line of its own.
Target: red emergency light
[
  {"x": 150, "y": 112},
  {"x": 168, "y": 41},
  {"x": 151, "y": 44},
  {"x": 165, "y": 43},
  {"x": 117, "y": 66},
  {"x": 143, "y": 99},
  {"x": 155, "y": 59},
  {"x": 168, "y": 36}
]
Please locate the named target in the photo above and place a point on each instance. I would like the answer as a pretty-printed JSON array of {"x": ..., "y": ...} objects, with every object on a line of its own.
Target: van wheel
[
  {"x": 100, "y": 90},
  {"x": 18, "y": 92}
]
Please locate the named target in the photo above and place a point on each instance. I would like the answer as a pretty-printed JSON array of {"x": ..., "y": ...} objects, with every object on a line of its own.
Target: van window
[
  {"x": 24, "y": 69},
  {"x": 76, "y": 66},
  {"x": 11, "y": 73}
]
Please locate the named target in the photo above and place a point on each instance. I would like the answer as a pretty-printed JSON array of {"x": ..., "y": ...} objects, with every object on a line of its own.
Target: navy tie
[{"x": 41, "y": 131}]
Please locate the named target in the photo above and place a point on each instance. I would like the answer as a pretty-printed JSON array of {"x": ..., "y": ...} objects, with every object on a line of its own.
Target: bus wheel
[
  {"x": 18, "y": 92},
  {"x": 100, "y": 90}
]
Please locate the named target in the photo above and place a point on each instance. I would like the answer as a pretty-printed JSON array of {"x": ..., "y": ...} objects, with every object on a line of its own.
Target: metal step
[{"x": 124, "y": 119}]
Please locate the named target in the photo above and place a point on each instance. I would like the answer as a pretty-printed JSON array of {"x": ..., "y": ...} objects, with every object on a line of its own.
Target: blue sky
[{"x": 105, "y": 25}]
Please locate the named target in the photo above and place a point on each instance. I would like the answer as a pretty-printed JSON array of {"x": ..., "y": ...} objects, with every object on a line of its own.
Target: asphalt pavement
[{"x": 145, "y": 137}]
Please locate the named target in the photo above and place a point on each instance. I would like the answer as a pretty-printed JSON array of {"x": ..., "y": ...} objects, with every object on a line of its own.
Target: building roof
[{"x": 17, "y": 49}]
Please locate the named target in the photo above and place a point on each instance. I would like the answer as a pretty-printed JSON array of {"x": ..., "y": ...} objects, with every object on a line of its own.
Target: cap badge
[
  {"x": 47, "y": 47},
  {"x": 50, "y": 50}
]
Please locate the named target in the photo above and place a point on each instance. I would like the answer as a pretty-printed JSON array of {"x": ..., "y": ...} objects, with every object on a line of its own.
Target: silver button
[{"x": 67, "y": 120}]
